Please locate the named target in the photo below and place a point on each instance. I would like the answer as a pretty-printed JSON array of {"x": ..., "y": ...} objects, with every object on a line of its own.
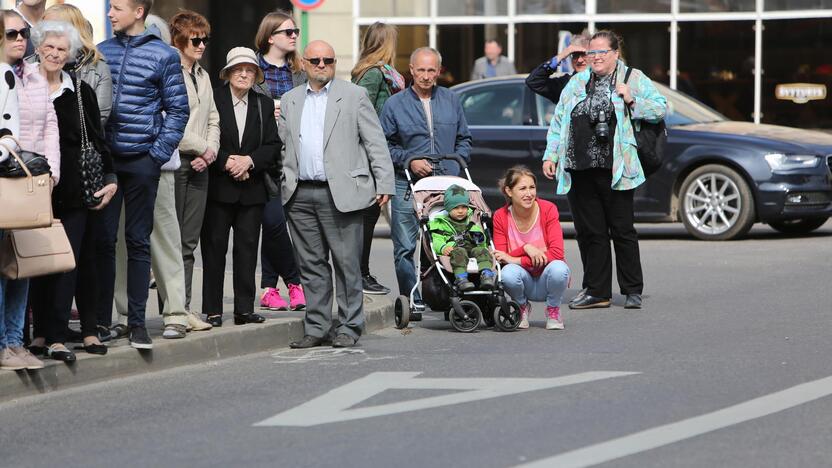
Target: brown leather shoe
[{"x": 308, "y": 341}]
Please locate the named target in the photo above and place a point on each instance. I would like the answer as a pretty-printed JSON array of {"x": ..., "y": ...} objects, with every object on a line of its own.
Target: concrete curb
[{"x": 197, "y": 347}]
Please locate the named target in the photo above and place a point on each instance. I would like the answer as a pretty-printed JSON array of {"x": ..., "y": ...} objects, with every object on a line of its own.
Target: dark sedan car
[{"x": 718, "y": 176}]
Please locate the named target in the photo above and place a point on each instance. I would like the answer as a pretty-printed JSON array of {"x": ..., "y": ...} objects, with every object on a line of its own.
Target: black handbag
[
  {"x": 91, "y": 166},
  {"x": 35, "y": 162},
  {"x": 651, "y": 139}
]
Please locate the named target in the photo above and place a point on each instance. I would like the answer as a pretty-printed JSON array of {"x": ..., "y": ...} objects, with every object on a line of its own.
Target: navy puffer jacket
[{"x": 147, "y": 80}]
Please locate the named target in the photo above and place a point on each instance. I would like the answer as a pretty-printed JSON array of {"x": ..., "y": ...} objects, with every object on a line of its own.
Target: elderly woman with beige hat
[{"x": 236, "y": 189}]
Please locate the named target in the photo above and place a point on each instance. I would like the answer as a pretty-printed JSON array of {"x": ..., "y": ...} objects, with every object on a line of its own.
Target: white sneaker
[
  {"x": 525, "y": 313},
  {"x": 553, "y": 320}
]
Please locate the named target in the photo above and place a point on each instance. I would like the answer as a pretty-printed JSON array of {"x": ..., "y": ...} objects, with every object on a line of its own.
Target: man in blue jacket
[
  {"x": 423, "y": 119},
  {"x": 150, "y": 111}
]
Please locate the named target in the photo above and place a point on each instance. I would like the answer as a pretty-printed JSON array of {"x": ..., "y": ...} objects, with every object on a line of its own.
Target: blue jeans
[
  {"x": 549, "y": 286},
  {"x": 405, "y": 234},
  {"x": 13, "y": 295}
]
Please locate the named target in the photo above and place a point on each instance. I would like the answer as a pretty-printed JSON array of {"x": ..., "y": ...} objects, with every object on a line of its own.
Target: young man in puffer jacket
[{"x": 147, "y": 121}]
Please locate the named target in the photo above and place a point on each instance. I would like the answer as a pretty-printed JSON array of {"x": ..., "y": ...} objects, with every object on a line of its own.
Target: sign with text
[{"x": 800, "y": 93}]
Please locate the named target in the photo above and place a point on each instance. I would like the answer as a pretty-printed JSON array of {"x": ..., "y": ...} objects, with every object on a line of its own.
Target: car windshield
[{"x": 684, "y": 110}]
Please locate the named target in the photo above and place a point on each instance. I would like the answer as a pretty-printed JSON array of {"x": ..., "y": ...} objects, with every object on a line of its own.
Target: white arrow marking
[
  {"x": 687, "y": 428},
  {"x": 334, "y": 406}
]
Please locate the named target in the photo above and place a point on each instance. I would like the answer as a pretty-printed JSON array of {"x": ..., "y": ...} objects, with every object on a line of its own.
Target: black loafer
[
  {"x": 248, "y": 318},
  {"x": 633, "y": 301},
  {"x": 343, "y": 341},
  {"x": 308, "y": 341},
  {"x": 61, "y": 355},
  {"x": 590, "y": 302},
  {"x": 98, "y": 349},
  {"x": 214, "y": 320}
]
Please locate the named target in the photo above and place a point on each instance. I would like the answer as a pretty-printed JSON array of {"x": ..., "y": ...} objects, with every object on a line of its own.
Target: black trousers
[
  {"x": 220, "y": 219},
  {"x": 51, "y": 296},
  {"x": 371, "y": 215},
  {"x": 605, "y": 214},
  {"x": 277, "y": 254}
]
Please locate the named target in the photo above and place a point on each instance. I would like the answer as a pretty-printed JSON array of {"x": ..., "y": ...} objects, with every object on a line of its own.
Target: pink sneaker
[
  {"x": 553, "y": 322},
  {"x": 271, "y": 300},
  {"x": 525, "y": 313},
  {"x": 296, "y": 297}
]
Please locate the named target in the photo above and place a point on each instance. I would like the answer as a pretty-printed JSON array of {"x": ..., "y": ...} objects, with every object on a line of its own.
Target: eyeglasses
[
  {"x": 13, "y": 34},
  {"x": 287, "y": 32},
  {"x": 593, "y": 53},
  {"x": 196, "y": 40},
  {"x": 241, "y": 70},
  {"x": 317, "y": 61}
]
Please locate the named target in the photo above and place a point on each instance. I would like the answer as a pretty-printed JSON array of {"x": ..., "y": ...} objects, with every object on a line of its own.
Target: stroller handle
[{"x": 436, "y": 158}]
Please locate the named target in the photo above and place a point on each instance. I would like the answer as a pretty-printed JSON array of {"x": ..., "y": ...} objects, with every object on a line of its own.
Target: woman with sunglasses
[
  {"x": 276, "y": 43},
  {"x": 375, "y": 71},
  {"x": 591, "y": 150},
  {"x": 198, "y": 149}
]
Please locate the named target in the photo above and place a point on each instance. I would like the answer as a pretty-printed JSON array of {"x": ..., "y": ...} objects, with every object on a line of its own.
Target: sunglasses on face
[
  {"x": 317, "y": 61},
  {"x": 195, "y": 41},
  {"x": 12, "y": 34},
  {"x": 578, "y": 55},
  {"x": 287, "y": 32}
]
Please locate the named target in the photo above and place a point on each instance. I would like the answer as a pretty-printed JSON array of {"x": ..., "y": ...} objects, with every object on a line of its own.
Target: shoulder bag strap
[{"x": 85, "y": 139}]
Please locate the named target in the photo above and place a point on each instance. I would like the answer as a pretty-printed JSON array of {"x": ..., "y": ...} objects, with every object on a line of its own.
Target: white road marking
[
  {"x": 687, "y": 428},
  {"x": 334, "y": 406},
  {"x": 314, "y": 355}
]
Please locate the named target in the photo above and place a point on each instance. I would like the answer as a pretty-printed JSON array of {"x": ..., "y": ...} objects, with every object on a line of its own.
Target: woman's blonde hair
[
  {"x": 268, "y": 25},
  {"x": 377, "y": 47},
  {"x": 72, "y": 15}
]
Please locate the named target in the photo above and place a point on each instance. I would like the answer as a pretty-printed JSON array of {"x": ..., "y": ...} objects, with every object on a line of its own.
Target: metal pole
[{"x": 304, "y": 27}]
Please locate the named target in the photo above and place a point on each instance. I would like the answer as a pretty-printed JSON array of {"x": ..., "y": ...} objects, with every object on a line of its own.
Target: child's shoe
[
  {"x": 553, "y": 322},
  {"x": 463, "y": 284},
  {"x": 525, "y": 313},
  {"x": 487, "y": 279}
]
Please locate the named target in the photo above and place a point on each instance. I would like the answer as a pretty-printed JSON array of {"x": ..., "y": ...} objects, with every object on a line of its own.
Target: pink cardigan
[{"x": 38, "y": 122}]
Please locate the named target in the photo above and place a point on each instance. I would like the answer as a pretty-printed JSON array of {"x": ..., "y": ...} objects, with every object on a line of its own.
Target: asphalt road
[{"x": 727, "y": 365}]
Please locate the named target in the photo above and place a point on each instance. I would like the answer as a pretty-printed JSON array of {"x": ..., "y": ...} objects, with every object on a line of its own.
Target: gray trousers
[
  {"x": 319, "y": 230},
  {"x": 191, "y": 197}
]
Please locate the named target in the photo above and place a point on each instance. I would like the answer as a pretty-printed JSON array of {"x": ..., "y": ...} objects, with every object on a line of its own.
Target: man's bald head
[{"x": 319, "y": 63}]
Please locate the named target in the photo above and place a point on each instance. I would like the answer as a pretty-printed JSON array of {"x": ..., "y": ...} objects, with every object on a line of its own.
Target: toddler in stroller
[{"x": 454, "y": 233}]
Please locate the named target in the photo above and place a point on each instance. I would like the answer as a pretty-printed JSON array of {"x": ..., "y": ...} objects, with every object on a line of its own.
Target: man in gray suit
[
  {"x": 493, "y": 64},
  {"x": 335, "y": 164}
]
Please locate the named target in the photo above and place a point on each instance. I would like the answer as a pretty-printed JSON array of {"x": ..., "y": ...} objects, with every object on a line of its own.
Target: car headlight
[{"x": 784, "y": 162}]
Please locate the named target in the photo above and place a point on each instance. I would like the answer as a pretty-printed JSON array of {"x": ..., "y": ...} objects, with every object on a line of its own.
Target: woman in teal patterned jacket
[{"x": 591, "y": 150}]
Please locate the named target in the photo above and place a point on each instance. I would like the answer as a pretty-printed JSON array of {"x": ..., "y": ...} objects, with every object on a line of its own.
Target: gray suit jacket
[
  {"x": 356, "y": 159},
  {"x": 504, "y": 67}
]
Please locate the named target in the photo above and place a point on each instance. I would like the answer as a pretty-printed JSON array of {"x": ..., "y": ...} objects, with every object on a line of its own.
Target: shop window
[
  {"x": 472, "y": 8},
  {"x": 633, "y": 6},
  {"x": 539, "y": 7},
  {"x": 771, "y": 5},
  {"x": 796, "y": 57},
  {"x": 645, "y": 46},
  {"x": 460, "y": 45},
  {"x": 377, "y": 8},
  {"x": 715, "y": 6},
  {"x": 538, "y": 42},
  {"x": 716, "y": 65}
]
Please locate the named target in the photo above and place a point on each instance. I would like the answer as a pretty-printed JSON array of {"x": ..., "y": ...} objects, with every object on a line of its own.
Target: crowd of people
[{"x": 283, "y": 148}]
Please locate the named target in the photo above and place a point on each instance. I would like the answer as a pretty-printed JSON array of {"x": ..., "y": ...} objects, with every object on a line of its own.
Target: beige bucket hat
[{"x": 239, "y": 55}]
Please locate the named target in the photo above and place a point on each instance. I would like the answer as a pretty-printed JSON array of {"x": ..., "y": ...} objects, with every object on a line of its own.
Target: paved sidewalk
[{"x": 230, "y": 340}]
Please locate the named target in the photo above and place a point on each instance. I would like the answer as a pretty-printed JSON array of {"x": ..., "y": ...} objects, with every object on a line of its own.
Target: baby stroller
[{"x": 465, "y": 310}]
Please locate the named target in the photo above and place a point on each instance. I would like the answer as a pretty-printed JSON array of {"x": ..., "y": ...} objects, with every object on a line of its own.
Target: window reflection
[
  {"x": 716, "y": 65},
  {"x": 796, "y": 51},
  {"x": 536, "y": 7},
  {"x": 494, "y": 105},
  {"x": 633, "y": 6},
  {"x": 472, "y": 8},
  {"x": 712, "y": 6},
  {"x": 461, "y": 45},
  {"x": 797, "y": 5}
]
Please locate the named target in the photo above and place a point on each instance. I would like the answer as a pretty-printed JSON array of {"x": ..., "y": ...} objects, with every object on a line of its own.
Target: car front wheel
[
  {"x": 716, "y": 203},
  {"x": 799, "y": 226}
]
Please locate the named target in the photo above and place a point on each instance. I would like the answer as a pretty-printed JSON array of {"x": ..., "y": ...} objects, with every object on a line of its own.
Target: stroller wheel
[
  {"x": 507, "y": 315},
  {"x": 466, "y": 316},
  {"x": 401, "y": 310}
]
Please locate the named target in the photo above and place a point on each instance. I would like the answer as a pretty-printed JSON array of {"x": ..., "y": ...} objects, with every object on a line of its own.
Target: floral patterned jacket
[{"x": 650, "y": 105}]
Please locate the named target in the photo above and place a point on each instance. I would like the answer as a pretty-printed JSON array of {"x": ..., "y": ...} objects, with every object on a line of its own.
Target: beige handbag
[
  {"x": 36, "y": 252},
  {"x": 25, "y": 202}
]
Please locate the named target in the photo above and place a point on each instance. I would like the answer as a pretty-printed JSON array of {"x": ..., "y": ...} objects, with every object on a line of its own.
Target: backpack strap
[
  {"x": 627, "y": 74},
  {"x": 626, "y": 107}
]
